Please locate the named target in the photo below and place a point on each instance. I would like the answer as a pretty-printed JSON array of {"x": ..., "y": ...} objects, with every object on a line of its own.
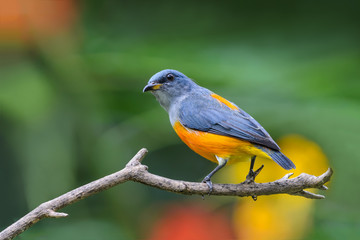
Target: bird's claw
[
  {"x": 250, "y": 178},
  {"x": 209, "y": 183}
]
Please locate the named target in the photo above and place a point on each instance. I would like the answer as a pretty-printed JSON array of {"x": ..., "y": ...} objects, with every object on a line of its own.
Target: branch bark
[{"x": 135, "y": 171}]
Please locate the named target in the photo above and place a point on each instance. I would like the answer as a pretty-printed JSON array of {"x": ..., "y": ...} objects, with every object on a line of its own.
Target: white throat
[
  {"x": 163, "y": 99},
  {"x": 171, "y": 105},
  {"x": 174, "y": 109}
]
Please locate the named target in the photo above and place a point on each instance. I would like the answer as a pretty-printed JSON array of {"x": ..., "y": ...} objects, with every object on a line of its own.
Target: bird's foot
[
  {"x": 250, "y": 178},
  {"x": 209, "y": 183}
]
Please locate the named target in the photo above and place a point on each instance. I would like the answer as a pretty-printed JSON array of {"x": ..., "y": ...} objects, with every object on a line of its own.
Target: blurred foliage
[{"x": 71, "y": 107}]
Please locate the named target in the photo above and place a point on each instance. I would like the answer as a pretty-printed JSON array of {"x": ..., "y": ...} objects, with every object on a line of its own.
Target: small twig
[{"x": 135, "y": 171}]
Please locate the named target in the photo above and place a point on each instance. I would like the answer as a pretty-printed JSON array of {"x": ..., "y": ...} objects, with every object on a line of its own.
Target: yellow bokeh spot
[
  {"x": 306, "y": 155},
  {"x": 280, "y": 216}
]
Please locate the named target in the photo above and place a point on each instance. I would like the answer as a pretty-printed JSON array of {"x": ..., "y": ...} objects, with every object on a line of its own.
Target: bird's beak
[{"x": 151, "y": 87}]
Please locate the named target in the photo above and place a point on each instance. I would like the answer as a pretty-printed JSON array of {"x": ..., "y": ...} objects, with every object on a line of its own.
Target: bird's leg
[
  {"x": 251, "y": 175},
  {"x": 250, "y": 178},
  {"x": 222, "y": 163}
]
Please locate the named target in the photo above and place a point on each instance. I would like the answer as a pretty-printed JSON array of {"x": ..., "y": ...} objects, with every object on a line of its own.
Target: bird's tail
[{"x": 279, "y": 158}]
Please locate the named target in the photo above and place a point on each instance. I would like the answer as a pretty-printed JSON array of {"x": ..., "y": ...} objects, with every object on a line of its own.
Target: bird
[{"x": 212, "y": 126}]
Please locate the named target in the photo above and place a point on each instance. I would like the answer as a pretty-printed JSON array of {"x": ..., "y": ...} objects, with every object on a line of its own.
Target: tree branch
[{"x": 135, "y": 171}]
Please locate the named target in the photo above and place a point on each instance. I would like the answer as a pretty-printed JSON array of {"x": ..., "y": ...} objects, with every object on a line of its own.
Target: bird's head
[{"x": 168, "y": 86}]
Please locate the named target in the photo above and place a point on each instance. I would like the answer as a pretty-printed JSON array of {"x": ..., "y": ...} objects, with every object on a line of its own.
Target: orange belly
[{"x": 208, "y": 145}]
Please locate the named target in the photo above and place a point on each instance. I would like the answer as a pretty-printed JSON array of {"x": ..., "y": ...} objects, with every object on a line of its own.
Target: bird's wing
[{"x": 213, "y": 116}]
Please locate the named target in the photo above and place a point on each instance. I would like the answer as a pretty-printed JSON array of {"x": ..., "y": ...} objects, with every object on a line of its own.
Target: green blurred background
[{"x": 72, "y": 108}]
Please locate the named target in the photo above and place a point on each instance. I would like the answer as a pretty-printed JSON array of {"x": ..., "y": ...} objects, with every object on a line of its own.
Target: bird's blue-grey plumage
[
  {"x": 196, "y": 109},
  {"x": 209, "y": 115},
  {"x": 278, "y": 157},
  {"x": 214, "y": 117}
]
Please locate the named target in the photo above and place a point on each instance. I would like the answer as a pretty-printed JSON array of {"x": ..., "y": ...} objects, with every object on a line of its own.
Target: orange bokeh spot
[
  {"x": 191, "y": 222},
  {"x": 21, "y": 19}
]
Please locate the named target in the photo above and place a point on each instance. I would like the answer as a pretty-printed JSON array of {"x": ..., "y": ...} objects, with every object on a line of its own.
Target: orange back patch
[{"x": 224, "y": 101}]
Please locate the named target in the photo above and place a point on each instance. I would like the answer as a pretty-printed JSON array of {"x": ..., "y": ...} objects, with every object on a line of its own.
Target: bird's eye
[{"x": 170, "y": 77}]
